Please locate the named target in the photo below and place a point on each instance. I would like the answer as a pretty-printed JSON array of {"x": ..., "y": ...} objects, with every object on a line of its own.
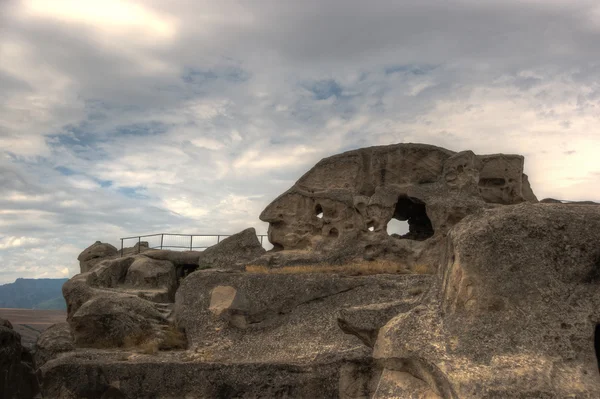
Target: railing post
[
  {"x": 218, "y": 239},
  {"x": 139, "y": 244},
  {"x": 191, "y": 240},
  {"x": 162, "y": 236},
  {"x": 121, "y": 247},
  {"x": 261, "y": 237}
]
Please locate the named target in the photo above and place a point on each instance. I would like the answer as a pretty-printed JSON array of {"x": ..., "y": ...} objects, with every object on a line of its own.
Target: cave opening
[
  {"x": 597, "y": 344},
  {"x": 184, "y": 270},
  {"x": 414, "y": 213}
]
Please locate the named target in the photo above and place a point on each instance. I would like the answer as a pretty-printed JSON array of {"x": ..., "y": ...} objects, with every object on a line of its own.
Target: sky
[{"x": 121, "y": 118}]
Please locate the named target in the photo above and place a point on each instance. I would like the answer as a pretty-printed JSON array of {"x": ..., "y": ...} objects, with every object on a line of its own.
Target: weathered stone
[
  {"x": 280, "y": 317},
  {"x": 55, "y": 340},
  {"x": 112, "y": 321},
  {"x": 488, "y": 295},
  {"x": 233, "y": 252},
  {"x": 95, "y": 254},
  {"x": 516, "y": 313},
  {"x": 92, "y": 375},
  {"x": 347, "y": 200},
  {"x": 146, "y": 273}
]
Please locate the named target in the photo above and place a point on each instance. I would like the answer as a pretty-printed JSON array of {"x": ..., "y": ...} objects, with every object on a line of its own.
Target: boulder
[
  {"x": 351, "y": 198},
  {"x": 155, "y": 276},
  {"x": 115, "y": 321},
  {"x": 53, "y": 341},
  {"x": 95, "y": 254},
  {"x": 516, "y": 312},
  {"x": 233, "y": 252},
  {"x": 17, "y": 374},
  {"x": 5, "y": 323}
]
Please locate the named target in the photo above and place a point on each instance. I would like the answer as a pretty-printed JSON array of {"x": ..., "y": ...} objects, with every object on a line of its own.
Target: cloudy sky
[{"x": 122, "y": 118}]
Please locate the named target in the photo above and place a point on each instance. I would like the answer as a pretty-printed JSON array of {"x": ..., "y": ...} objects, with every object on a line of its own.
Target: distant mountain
[{"x": 33, "y": 293}]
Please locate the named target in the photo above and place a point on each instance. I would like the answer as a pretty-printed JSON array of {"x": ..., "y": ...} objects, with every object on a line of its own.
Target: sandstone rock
[
  {"x": 178, "y": 258},
  {"x": 114, "y": 321},
  {"x": 157, "y": 275},
  {"x": 280, "y": 317},
  {"x": 55, "y": 340},
  {"x": 94, "y": 254},
  {"x": 488, "y": 295},
  {"x": 138, "y": 248},
  {"x": 93, "y": 375},
  {"x": 517, "y": 312},
  {"x": 233, "y": 252},
  {"x": 350, "y": 198}
]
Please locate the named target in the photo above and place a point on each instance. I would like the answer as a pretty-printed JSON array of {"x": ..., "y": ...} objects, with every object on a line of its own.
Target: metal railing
[{"x": 188, "y": 242}]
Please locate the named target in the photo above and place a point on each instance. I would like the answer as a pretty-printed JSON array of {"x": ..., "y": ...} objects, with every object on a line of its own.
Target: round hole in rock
[
  {"x": 334, "y": 233},
  {"x": 319, "y": 211},
  {"x": 414, "y": 212},
  {"x": 398, "y": 227}
]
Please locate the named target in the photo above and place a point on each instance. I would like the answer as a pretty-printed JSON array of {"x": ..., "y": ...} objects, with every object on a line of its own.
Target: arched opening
[
  {"x": 319, "y": 211},
  {"x": 334, "y": 233},
  {"x": 398, "y": 227},
  {"x": 597, "y": 344},
  {"x": 184, "y": 270},
  {"x": 414, "y": 213}
]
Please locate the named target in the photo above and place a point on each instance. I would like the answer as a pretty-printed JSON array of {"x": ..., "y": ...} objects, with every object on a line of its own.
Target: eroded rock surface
[
  {"x": 489, "y": 294},
  {"x": 95, "y": 254},
  {"x": 516, "y": 313},
  {"x": 339, "y": 211},
  {"x": 55, "y": 340}
]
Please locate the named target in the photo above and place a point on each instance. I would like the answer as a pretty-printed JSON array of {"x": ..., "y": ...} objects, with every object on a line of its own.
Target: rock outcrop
[
  {"x": 489, "y": 294},
  {"x": 95, "y": 254},
  {"x": 339, "y": 211},
  {"x": 17, "y": 372},
  {"x": 55, "y": 340},
  {"x": 233, "y": 252}
]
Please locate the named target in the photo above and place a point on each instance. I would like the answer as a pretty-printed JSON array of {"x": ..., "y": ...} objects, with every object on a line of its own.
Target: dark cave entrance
[
  {"x": 597, "y": 344},
  {"x": 184, "y": 270},
  {"x": 414, "y": 212}
]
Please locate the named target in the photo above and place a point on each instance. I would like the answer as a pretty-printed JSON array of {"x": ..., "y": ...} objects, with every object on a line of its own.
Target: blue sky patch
[{"x": 323, "y": 89}]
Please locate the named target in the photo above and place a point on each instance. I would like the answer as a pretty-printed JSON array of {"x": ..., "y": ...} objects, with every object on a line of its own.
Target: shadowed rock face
[
  {"x": 17, "y": 374},
  {"x": 356, "y": 194}
]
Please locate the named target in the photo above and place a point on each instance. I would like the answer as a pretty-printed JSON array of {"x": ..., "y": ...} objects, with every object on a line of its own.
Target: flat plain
[{"x": 31, "y": 322}]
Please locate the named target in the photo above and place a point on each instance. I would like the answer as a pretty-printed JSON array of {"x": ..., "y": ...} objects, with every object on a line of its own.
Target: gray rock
[
  {"x": 516, "y": 312},
  {"x": 93, "y": 375},
  {"x": 350, "y": 193},
  {"x": 95, "y": 254},
  {"x": 233, "y": 252},
  {"x": 157, "y": 275},
  {"x": 55, "y": 340},
  {"x": 289, "y": 318},
  {"x": 115, "y": 321}
]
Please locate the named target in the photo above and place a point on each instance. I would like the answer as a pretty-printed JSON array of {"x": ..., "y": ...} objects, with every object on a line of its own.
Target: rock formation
[
  {"x": 17, "y": 371},
  {"x": 490, "y": 294}
]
